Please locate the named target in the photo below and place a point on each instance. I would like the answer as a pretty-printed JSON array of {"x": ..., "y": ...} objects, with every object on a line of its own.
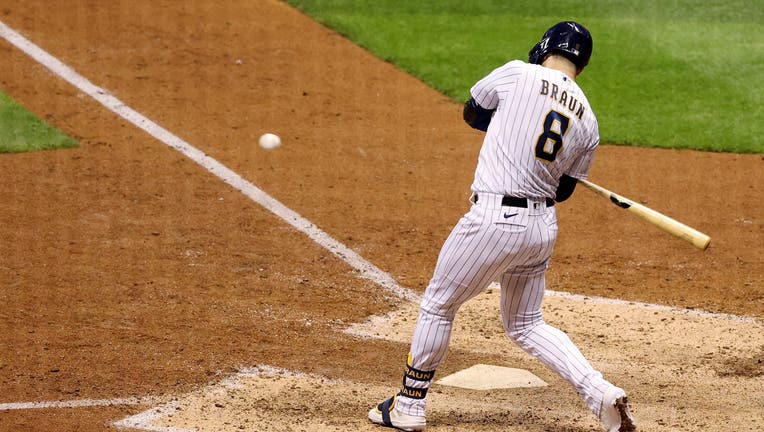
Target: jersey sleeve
[{"x": 580, "y": 167}]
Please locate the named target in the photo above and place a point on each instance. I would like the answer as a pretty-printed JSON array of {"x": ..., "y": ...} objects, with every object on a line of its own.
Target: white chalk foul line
[
  {"x": 367, "y": 270},
  {"x": 78, "y": 403}
]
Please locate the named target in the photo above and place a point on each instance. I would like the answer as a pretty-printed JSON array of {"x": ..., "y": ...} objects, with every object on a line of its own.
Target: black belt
[{"x": 510, "y": 201}]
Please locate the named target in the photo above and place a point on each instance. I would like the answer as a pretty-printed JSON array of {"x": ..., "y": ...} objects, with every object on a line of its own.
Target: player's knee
[
  {"x": 514, "y": 334},
  {"x": 442, "y": 307},
  {"x": 439, "y": 310}
]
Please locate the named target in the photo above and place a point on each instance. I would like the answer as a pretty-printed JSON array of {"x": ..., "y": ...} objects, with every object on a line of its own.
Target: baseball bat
[{"x": 697, "y": 238}]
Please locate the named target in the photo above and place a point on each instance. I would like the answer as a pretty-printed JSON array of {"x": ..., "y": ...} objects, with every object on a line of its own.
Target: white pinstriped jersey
[{"x": 543, "y": 127}]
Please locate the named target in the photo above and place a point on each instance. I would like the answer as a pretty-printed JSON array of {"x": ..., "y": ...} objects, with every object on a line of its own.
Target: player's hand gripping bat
[{"x": 697, "y": 238}]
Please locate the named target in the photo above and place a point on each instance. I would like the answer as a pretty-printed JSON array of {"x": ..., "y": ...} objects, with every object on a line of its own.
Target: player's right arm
[
  {"x": 566, "y": 187},
  {"x": 579, "y": 169}
]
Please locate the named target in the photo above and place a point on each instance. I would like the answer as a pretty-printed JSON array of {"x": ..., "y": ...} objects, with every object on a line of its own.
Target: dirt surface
[
  {"x": 676, "y": 371},
  {"x": 128, "y": 270}
]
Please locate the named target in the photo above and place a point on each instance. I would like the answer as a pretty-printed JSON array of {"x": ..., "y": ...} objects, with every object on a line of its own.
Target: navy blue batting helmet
[{"x": 567, "y": 38}]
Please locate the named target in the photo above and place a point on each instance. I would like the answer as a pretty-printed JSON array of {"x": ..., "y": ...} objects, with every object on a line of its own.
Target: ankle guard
[
  {"x": 419, "y": 376},
  {"x": 413, "y": 393}
]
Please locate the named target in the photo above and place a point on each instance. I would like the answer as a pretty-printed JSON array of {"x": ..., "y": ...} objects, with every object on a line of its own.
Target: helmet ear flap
[{"x": 534, "y": 55}]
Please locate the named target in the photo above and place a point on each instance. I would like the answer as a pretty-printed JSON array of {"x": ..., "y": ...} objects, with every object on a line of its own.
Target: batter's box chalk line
[{"x": 147, "y": 420}]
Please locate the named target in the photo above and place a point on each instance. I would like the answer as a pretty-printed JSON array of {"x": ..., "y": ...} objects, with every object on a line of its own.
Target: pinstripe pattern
[{"x": 512, "y": 244}]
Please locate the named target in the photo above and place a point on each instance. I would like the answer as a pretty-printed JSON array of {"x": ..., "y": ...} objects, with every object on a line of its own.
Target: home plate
[{"x": 488, "y": 377}]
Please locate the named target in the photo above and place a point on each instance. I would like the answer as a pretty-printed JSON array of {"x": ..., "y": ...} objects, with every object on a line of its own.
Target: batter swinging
[{"x": 541, "y": 135}]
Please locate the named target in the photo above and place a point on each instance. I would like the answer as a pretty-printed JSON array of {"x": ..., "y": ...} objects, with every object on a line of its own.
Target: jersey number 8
[{"x": 550, "y": 141}]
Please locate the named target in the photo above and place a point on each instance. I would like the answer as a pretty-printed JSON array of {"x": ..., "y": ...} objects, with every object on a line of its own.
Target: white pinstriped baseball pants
[{"x": 513, "y": 245}]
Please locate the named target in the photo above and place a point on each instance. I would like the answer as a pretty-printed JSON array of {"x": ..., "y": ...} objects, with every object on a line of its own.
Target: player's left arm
[
  {"x": 476, "y": 116},
  {"x": 484, "y": 96}
]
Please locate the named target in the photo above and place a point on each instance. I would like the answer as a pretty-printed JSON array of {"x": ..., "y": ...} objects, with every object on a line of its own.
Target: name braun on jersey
[{"x": 572, "y": 104}]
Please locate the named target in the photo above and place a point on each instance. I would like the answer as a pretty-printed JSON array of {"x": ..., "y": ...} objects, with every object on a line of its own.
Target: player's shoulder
[
  {"x": 512, "y": 71},
  {"x": 582, "y": 96},
  {"x": 514, "y": 66},
  {"x": 519, "y": 65}
]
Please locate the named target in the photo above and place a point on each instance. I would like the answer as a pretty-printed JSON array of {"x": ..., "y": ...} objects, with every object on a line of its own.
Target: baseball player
[{"x": 541, "y": 135}]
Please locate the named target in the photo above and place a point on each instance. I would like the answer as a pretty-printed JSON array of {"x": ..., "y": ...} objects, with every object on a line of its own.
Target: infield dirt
[{"x": 127, "y": 270}]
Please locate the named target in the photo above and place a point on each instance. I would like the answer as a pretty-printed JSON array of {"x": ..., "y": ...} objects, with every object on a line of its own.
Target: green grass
[
  {"x": 678, "y": 74},
  {"x": 22, "y": 131}
]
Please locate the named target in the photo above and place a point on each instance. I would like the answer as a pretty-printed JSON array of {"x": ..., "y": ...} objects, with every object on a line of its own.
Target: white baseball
[{"x": 270, "y": 141}]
